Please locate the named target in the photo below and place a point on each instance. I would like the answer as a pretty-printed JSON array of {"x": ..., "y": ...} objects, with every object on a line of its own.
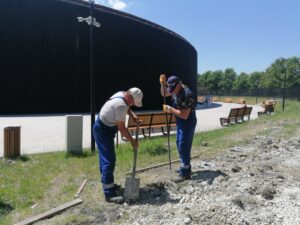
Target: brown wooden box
[{"x": 12, "y": 140}]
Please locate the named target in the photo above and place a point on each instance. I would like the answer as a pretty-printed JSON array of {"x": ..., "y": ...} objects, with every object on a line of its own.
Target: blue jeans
[
  {"x": 184, "y": 140},
  {"x": 104, "y": 137}
]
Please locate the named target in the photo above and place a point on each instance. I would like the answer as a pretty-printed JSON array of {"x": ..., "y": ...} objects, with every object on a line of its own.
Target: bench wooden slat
[
  {"x": 151, "y": 121},
  {"x": 247, "y": 113},
  {"x": 269, "y": 107},
  {"x": 225, "y": 121},
  {"x": 236, "y": 115}
]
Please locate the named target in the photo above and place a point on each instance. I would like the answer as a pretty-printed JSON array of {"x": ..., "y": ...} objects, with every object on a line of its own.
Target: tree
[
  {"x": 241, "y": 82},
  {"x": 213, "y": 80},
  {"x": 202, "y": 79},
  {"x": 281, "y": 68},
  {"x": 227, "y": 82},
  {"x": 293, "y": 72},
  {"x": 255, "y": 79}
]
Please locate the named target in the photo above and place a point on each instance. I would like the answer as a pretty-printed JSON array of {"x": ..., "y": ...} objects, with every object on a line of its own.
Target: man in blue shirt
[{"x": 184, "y": 110}]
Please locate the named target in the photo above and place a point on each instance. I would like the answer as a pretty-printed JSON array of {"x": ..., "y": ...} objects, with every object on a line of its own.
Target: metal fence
[{"x": 290, "y": 93}]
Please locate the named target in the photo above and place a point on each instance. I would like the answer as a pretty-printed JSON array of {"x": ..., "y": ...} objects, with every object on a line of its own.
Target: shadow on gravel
[
  {"x": 207, "y": 175},
  {"x": 154, "y": 194}
]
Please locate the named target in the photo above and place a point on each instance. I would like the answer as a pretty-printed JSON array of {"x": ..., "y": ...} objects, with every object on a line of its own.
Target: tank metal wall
[{"x": 44, "y": 57}]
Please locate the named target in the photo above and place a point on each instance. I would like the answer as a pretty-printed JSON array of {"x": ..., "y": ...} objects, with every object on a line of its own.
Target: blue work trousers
[
  {"x": 104, "y": 136},
  {"x": 185, "y": 134}
]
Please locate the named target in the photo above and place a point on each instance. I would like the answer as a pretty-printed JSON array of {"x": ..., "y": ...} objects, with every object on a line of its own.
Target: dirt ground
[{"x": 254, "y": 184}]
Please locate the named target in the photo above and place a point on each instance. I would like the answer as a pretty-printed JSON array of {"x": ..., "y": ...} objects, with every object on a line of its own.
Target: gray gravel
[{"x": 264, "y": 190}]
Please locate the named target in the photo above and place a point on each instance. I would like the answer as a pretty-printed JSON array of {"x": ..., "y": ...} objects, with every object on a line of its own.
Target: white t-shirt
[{"x": 114, "y": 110}]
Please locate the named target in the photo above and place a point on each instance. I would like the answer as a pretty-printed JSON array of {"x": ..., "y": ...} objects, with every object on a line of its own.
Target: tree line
[{"x": 273, "y": 77}]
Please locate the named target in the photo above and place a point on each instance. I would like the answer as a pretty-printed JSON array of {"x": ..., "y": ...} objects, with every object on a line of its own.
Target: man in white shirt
[{"x": 112, "y": 118}]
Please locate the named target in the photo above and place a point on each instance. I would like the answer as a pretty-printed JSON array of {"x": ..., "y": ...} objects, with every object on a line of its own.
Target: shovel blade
[{"x": 132, "y": 188}]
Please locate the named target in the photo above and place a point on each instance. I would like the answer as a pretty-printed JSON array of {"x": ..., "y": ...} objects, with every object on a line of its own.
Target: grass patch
[{"x": 52, "y": 179}]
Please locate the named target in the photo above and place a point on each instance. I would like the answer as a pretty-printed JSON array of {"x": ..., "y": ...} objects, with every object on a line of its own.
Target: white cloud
[
  {"x": 101, "y": 2},
  {"x": 115, "y": 4}
]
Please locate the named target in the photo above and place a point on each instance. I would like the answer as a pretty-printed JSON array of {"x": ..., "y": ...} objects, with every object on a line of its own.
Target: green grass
[{"x": 53, "y": 178}]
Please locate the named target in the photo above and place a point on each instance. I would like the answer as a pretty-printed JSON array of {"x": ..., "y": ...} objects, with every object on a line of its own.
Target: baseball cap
[
  {"x": 172, "y": 82},
  {"x": 137, "y": 95}
]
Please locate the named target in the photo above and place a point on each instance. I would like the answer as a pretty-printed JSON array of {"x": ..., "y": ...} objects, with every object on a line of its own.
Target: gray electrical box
[{"x": 74, "y": 133}]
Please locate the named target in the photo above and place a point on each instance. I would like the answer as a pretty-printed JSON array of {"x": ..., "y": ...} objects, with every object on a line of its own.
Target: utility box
[
  {"x": 12, "y": 142},
  {"x": 74, "y": 134}
]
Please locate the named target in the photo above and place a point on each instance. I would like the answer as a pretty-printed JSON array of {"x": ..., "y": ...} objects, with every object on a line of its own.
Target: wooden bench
[
  {"x": 225, "y": 121},
  {"x": 215, "y": 99},
  {"x": 240, "y": 115},
  {"x": 269, "y": 107},
  {"x": 273, "y": 104},
  {"x": 241, "y": 101},
  {"x": 201, "y": 99},
  {"x": 152, "y": 123},
  {"x": 228, "y": 100},
  {"x": 236, "y": 115},
  {"x": 247, "y": 113}
]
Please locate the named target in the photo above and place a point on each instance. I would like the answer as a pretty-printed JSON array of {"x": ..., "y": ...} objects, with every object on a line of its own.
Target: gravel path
[{"x": 253, "y": 184}]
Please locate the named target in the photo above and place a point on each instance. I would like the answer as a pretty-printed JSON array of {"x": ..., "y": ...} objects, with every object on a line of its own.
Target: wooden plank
[
  {"x": 159, "y": 165},
  {"x": 80, "y": 188},
  {"x": 51, "y": 212}
]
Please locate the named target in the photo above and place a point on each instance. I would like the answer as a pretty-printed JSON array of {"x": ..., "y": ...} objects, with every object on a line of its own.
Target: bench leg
[
  {"x": 163, "y": 131},
  {"x": 224, "y": 121},
  {"x": 143, "y": 131}
]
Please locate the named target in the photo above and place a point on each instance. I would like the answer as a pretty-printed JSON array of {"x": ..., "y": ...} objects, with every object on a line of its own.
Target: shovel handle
[
  {"x": 168, "y": 131},
  {"x": 164, "y": 93},
  {"x": 135, "y": 150}
]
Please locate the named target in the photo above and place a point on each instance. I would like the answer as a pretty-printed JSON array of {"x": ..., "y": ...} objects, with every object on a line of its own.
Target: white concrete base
[{"x": 73, "y": 134}]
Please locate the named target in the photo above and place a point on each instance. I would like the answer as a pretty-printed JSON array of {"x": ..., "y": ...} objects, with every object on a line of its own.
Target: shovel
[
  {"x": 132, "y": 184},
  {"x": 168, "y": 131}
]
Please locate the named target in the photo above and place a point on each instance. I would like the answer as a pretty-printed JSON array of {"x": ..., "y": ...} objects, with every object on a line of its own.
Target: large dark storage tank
[{"x": 44, "y": 56}]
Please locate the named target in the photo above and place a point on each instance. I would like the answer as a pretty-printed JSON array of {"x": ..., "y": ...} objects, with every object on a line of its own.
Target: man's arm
[
  {"x": 163, "y": 91},
  {"x": 125, "y": 133},
  {"x": 182, "y": 113},
  {"x": 132, "y": 114}
]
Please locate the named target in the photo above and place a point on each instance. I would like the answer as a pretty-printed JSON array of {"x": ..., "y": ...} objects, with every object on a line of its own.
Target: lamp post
[
  {"x": 256, "y": 86},
  {"x": 91, "y": 21},
  {"x": 92, "y": 83},
  {"x": 284, "y": 84}
]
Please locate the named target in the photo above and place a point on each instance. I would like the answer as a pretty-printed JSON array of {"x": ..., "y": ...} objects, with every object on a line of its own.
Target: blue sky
[{"x": 247, "y": 35}]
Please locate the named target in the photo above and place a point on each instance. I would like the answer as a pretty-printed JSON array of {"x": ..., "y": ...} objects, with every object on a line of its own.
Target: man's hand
[
  {"x": 167, "y": 108},
  {"x": 162, "y": 79}
]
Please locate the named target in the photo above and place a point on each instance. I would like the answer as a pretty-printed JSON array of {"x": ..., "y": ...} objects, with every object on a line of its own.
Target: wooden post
[{"x": 12, "y": 139}]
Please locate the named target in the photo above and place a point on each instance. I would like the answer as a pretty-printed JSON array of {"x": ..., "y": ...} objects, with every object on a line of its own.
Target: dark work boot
[
  {"x": 177, "y": 171},
  {"x": 181, "y": 178},
  {"x": 118, "y": 199},
  {"x": 184, "y": 174},
  {"x": 117, "y": 187}
]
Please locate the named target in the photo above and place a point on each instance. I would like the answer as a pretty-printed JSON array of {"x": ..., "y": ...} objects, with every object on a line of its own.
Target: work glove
[
  {"x": 162, "y": 79},
  {"x": 167, "y": 108}
]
